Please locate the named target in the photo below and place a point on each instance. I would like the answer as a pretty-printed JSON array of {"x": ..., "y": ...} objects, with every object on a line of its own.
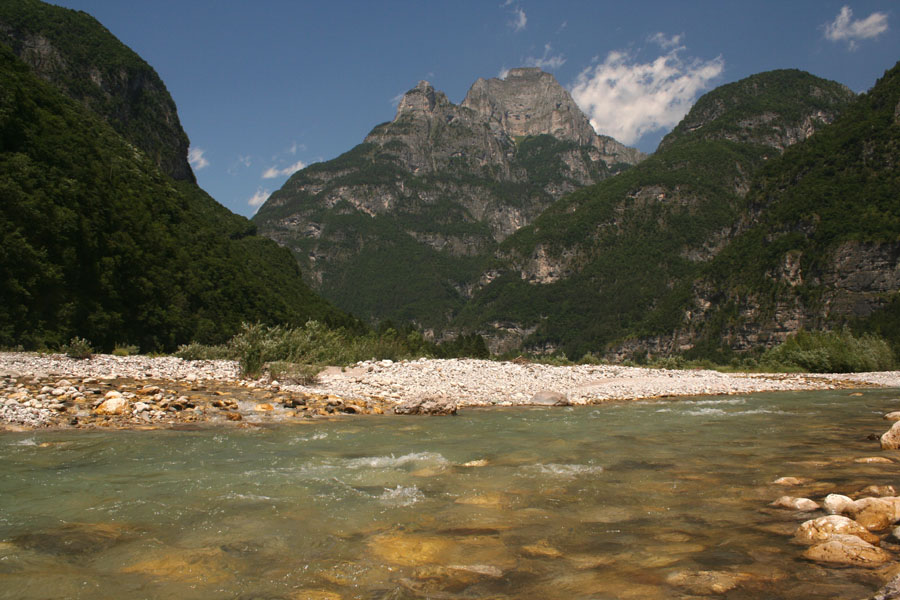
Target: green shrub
[
  {"x": 78, "y": 348},
  {"x": 299, "y": 373},
  {"x": 125, "y": 350},
  {"x": 830, "y": 352},
  {"x": 197, "y": 351}
]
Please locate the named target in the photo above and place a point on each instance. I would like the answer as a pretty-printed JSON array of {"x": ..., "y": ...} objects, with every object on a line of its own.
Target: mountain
[
  {"x": 76, "y": 54},
  {"x": 817, "y": 247},
  {"x": 102, "y": 234},
  {"x": 614, "y": 261},
  {"x": 404, "y": 225}
]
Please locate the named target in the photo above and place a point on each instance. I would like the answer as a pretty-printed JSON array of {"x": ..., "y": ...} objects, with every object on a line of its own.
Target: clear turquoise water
[{"x": 626, "y": 500}]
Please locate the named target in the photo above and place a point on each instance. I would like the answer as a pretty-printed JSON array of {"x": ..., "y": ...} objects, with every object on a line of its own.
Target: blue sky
[{"x": 268, "y": 86}]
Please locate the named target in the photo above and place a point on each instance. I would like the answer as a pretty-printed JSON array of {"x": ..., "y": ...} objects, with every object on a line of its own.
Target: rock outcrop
[{"x": 437, "y": 189}]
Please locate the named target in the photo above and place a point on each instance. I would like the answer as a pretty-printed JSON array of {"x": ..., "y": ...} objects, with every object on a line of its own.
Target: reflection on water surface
[{"x": 634, "y": 500}]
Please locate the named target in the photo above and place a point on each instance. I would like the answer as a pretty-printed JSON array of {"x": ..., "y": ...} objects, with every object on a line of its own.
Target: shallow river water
[{"x": 663, "y": 499}]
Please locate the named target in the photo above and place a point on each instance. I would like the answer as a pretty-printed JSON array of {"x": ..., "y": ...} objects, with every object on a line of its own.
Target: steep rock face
[
  {"x": 529, "y": 101},
  {"x": 75, "y": 53},
  {"x": 415, "y": 212}
]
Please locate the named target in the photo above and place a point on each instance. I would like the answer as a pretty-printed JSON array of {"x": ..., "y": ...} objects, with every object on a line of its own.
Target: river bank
[{"x": 52, "y": 390}]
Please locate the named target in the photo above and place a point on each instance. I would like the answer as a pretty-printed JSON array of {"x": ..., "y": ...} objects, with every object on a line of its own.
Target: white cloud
[
  {"x": 845, "y": 28},
  {"x": 195, "y": 157},
  {"x": 666, "y": 43},
  {"x": 259, "y": 197},
  {"x": 395, "y": 101},
  {"x": 627, "y": 99},
  {"x": 519, "y": 20},
  {"x": 503, "y": 73},
  {"x": 273, "y": 172},
  {"x": 547, "y": 61}
]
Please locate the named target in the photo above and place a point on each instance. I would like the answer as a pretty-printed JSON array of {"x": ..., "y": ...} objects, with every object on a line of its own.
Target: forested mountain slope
[
  {"x": 610, "y": 261},
  {"x": 403, "y": 225},
  {"x": 97, "y": 241}
]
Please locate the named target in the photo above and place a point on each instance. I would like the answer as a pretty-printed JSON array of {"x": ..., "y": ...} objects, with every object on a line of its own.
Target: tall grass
[
  {"x": 256, "y": 346},
  {"x": 831, "y": 352}
]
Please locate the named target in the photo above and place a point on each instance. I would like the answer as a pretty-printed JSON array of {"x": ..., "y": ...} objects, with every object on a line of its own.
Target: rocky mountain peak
[
  {"x": 422, "y": 98},
  {"x": 529, "y": 101}
]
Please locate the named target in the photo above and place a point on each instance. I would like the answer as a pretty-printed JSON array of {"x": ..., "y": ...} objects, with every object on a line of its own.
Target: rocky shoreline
[{"x": 52, "y": 390}]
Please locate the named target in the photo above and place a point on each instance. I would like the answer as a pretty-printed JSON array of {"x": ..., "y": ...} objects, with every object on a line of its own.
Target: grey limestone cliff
[{"x": 435, "y": 190}]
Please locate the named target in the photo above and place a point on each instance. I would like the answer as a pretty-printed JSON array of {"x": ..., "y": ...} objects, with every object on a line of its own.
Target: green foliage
[
  {"x": 78, "y": 348},
  {"x": 831, "y": 352},
  {"x": 87, "y": 63},
  {"x": 288, "y": 372},
  {"x": 125, "y": 350},
  {"x": 198, "y": 351},
  {"x": 96, "y": 241},
  {"x": 295, "y": 352}
]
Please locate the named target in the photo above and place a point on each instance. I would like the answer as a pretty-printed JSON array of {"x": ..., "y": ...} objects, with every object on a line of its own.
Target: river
[{"x": 650, "y": 499}]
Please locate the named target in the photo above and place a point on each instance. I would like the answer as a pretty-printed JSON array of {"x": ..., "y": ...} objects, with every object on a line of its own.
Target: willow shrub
[{"x": 831, "y": 352}]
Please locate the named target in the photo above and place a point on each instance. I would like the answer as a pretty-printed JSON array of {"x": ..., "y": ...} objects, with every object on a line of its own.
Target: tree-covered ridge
[
  {"x": 95, "y": 241},
  {"x": 822, "y": 235},
  {"x": 613, "y": 260},
  {"x": 74, "y": 52},
  {"x": 775, "y": 108}
]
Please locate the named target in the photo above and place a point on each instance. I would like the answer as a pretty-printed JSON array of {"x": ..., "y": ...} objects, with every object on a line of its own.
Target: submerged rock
[
  {"x": 706, "y": 582},
  {"x": 802, "y": 504},
  {"x": 73, "y": 539},
  {"x": 847, "y": 550},
  {"x": 891, "y": 590}
]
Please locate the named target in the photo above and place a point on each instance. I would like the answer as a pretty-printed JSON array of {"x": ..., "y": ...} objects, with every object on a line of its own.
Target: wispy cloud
[
  {"x": 519, "y": 19},
  {"x": 395, "y": 101},
  {"x": 295, "y": 146},
  {"x": 503, "y": 73},
  {"x": 548, "y": 61},
  {"x": 259, "y": 197},
  {"x": 844, "y": 28},
  {"x": 196, "y": 158},
  {"x": 665, "y": 42},
  {"x": 627, "y": 99},
  {"x": 273, "y": 172}
]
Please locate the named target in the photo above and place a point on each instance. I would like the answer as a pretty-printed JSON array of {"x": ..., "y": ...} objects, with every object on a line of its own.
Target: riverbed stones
[
  {"x": 818, "y": 530},
  {"x": 548, "y": 398},
  {"x": 847, "y": 550},
  {"x": 892, "y": 416},
  {"x": 194, "y": 566},
  {"x": 792, "y": 481},
  {"x": 891, "y": 590},
  {"x": 706, "y": 582},
  {"x": 314, "y": 594},
  {"x": 890, "y": 440},
  {"x": 801, "y": 504},
  {"x": 426, "y": 406},
  {"x": 540, "y": 549},
  {"x": 836, "y": 504},
  {"x": 114, "y": 403},
  {"x": 876, "y": 514}
]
